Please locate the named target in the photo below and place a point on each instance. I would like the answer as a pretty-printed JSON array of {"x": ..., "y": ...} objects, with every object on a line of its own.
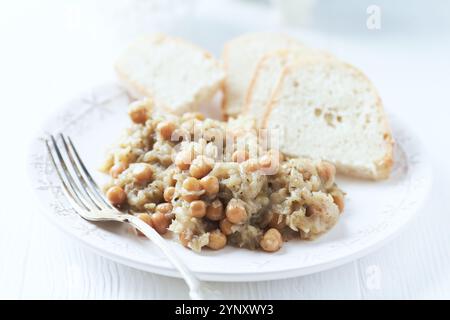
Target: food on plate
[
  {"x": 175, "y": 74},
  {"x": 267, "y": 75},
  {"x": 214, "y": 183},
  {"x": 327, "y": 109},
  {"x": 241, "y": 56}
]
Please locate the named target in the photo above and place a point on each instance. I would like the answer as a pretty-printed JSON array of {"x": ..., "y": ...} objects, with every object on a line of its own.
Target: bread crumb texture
[
  {"x": 329, "y": 110},
  {"x": 177, "y": 75}
]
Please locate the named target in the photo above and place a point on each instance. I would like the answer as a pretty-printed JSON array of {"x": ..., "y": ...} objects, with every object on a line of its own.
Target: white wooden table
[{"x": 50, "y": 51}]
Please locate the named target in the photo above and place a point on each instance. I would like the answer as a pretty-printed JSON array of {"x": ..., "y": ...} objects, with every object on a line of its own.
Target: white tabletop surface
[{"x": 52, "y": 50}]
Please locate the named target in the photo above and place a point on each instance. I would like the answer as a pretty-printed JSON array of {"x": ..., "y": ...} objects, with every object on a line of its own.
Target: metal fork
[{"x": 89, "y": 202}]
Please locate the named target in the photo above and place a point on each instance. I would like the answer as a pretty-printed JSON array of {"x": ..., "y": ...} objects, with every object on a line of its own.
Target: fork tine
[
  {"x": 67, "y": 187},
  {"x": 80, "y": 178},
  {"x": 94, "y": 187},
  {"x": 67, "y": 173}
]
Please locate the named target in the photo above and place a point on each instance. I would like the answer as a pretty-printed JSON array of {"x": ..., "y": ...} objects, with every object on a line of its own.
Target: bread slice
[
  {"x": 177, "y": 75},
  {"x": 327, "y": 109},
  {"x": 240, "y": 56},
  {"x": 267, "y": 75}
]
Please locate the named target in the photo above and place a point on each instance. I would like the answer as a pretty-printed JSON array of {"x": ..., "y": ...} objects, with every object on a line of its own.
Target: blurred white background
[{"x": 52, "y": 50}]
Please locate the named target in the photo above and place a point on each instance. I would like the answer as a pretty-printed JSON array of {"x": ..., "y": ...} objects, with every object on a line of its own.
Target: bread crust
[
  {"x": 283, "y": 54},
  {"x": 251, "y": 88},
  {"x": 223, "y": 106},
  {"x": 383, "y": 166},
  {"x": 225, "y": 55}
]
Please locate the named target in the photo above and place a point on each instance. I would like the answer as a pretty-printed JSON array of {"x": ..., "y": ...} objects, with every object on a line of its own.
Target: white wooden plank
[
  {"x": 14, "y": 252},
  {"x": 37, "y": 261},
  {"x": 60, "y": 268},
  {"x": 417, "y": 264},
  {"x": 322, "y": 285}
]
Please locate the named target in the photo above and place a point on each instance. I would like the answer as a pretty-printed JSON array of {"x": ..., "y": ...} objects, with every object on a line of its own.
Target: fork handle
[{"x": 196, "y": 288}]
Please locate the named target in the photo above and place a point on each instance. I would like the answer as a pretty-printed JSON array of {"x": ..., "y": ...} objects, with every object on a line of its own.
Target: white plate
[{"x": 375, "y": 211}]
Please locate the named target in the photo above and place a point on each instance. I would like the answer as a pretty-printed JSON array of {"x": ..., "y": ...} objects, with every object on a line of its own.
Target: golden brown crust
[
  {"x": 384, "y": 165},
  {"x": 283, "y": 54},
  {"x": 225, "y": 100},
  {"x": 261, "y": 62}
]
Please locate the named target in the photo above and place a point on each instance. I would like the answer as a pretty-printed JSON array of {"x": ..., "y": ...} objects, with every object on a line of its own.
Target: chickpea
[
  {"x": 183, "y": 159},
  {"x": 188, "y": 196},
  {"x": 116, "y": 195},
  {"x": 197, "y": 209},
  {"x": 199, "y": 116},
  {"x": 217, "y": 240},
  {"x": 236, "y": 212},
  {"x": 306, "y": 174},
  {"x": 169, "y": 180},
  {"x": 170, "y": 216},
  {"x": 278, "y": 221},
  {"x": 271, "y": 240},
  {"x": 191, "y": 184},
  {"x": 269, "y": 164},
  {"x": 169, "y": 193},
  {"x": 265, "y": 161},
  {"x": 139, "y": 116},
  {"x": 117, "y": 169},
  {"x": 251, "y": 165},
  {"x": 185, "y": 237},
  {"x": 147, "y": 219},
  {"x": 165, "y": 129},
  {"x": 338, "y": 199},
  {"x": 210, "y": 184},
  {"x": 142, "y": 172},
  {"x": 225, "y": 226},
  {"x": 327, "y": 172},
  {"x": 164, "y": 208},
  {"x": 193, "y": 115},
  {"x": 191, "y": 189},
  {"x": 240, "y": 156},
  {"x": 275, "y": 154},
  {"x": 160, "y": 222},
  {"x": 201, "y": 166},
  {"x": 139, "y": 110},
  {"x": 214, "y": 211},
  {"x": 107, "y": 164}
]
